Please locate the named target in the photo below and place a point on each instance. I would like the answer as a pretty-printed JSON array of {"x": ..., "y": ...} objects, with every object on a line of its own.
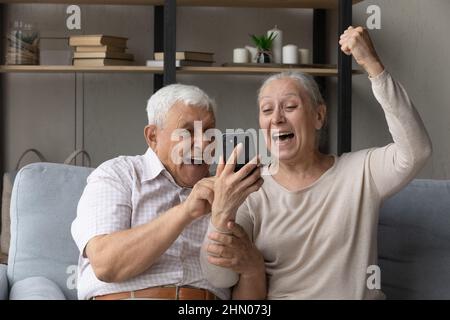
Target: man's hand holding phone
[{"x": 232, "y": 188}]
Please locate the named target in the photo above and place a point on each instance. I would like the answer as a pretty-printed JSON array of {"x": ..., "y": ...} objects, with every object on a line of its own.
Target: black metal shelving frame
[
  {"x": 165, "y": 40},
  {"x": 2, "y": 113}
]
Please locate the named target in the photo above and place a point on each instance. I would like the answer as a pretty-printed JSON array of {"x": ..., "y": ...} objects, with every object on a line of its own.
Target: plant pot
[{"x": 264, "y": 57}]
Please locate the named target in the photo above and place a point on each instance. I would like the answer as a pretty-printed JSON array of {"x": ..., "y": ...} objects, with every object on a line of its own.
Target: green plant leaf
[
  {"x": 264, "y": 42},
  {"x": 256, "y": 40}
]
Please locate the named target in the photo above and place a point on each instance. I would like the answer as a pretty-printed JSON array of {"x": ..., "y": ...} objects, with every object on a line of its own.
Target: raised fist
[{"x": 357, "y": 42}]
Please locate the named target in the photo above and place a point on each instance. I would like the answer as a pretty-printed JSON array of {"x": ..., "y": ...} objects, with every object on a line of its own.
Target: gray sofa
[
  {"x": 43, "y": 256},
  {"x": 414, "y": 242},
  {"x": 414, "y": 237}
]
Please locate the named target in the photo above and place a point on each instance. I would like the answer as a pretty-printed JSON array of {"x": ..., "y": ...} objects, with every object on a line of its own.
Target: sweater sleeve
[
  {"x": 218, "y": 276},
  {"x": 395, "y": 165}
]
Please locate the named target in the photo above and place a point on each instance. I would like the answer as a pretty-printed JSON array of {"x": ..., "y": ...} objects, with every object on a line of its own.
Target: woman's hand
[
  {"x": 237, "y": 252},
  {"x": 357, "y": 42},
  {"x": 232, "y": 188}
]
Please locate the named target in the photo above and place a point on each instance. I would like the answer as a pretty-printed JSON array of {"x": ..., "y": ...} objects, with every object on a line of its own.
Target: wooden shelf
[
  {"x": 325, "y": 72},
  {"x": 71, "y": 69},
  {"x": 318, "y": 4}
]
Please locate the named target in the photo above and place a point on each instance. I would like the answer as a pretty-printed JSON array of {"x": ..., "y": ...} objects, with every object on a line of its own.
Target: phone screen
[{"x": 231, "y": 140}]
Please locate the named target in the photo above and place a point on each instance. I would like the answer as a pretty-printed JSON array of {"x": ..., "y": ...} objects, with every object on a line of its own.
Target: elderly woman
[{"x": 314, "y": 220}]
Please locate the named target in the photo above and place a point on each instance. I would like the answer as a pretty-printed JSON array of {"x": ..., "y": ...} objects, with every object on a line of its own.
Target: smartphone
[{"x": 230, "y": 142}]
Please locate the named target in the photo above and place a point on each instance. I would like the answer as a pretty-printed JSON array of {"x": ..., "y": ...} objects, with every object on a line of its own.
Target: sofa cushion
[
  {"x": 414, "y": 242},
  {"x": 36, "y": 288},
  {"x": 8, "y": 181},
  {"x": 4, "y": 286},
  {"x": 43, "y": 206}
]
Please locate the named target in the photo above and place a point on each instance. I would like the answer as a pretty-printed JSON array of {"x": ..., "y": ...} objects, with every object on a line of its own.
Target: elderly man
[{"x": 139, "y": 225}]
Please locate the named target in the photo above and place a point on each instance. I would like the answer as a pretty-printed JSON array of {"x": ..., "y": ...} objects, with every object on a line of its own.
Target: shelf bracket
[
  {"x": 170, "y": 37},
  {"x": 2, "y": 113},
  {"x": 158, "y": 42},
  {"x": 344, "y": 121},
  {"x": 79, "y": 117},
  {"x": 319, "y": 42},
  {"x": 319, "y": 57}
]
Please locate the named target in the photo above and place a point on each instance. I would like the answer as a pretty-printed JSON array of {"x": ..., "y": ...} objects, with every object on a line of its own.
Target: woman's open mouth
[{"x": 280, "y": 137}]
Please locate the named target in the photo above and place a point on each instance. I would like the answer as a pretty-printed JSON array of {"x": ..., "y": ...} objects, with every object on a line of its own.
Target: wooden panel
[{"x": 319, "y": 4}]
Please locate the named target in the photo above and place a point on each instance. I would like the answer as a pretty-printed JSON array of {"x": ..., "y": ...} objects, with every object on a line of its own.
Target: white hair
[
  {"x": 160, "y": 102},
  {"x": 302, "y": 79}
]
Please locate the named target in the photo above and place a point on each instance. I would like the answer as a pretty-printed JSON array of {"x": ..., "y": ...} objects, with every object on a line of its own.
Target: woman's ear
[
  {"x": 150, "y": 134},
  {"x": 321, "y": 116}
]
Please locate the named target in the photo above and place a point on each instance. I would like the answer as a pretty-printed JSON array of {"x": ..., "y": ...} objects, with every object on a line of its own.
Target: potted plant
[{"x": 264, "y": 45}]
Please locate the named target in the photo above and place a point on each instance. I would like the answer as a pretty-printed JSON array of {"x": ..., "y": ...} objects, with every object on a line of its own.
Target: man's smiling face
[{"x": 182, "y": 116}]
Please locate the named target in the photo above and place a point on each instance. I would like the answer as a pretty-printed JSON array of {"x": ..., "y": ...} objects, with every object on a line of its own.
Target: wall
[
  {"x": 49, "y": 117},
  {"x": 412, "y": 43},
  {"x": 55, "y": 113}
]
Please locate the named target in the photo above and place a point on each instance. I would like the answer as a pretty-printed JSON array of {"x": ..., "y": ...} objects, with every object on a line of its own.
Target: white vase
[{"x": 253, "y": 53}]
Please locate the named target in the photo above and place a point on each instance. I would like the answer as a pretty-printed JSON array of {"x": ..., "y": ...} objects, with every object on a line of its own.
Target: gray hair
[
  {"x": 302, "y": 79},
  {"x": 160, "y": 102}
]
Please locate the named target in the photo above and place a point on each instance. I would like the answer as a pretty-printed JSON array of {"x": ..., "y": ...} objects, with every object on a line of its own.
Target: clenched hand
[{"x": 357, "y": 42}]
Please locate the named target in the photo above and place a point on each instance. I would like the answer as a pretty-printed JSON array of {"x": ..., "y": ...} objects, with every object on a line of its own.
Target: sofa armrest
[
  {"x": 4, "y": 285},
  {"x": 36, "y": 288}
]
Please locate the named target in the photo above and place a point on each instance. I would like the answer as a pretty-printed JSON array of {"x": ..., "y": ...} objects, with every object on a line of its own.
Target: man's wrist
[{"x": 187, "y": 217}]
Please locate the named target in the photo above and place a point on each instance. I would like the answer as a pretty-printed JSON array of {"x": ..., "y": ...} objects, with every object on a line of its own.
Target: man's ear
[
  {"x": 321, "y": 116},
  {"x": 150, "y": 134}
]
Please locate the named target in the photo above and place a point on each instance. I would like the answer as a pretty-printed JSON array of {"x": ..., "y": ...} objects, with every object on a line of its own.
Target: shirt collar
[{"x": 153, "y": 167}]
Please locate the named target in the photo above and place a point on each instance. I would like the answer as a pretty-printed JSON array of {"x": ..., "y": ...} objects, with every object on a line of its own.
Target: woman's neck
[{"x": 302, "y": 171}]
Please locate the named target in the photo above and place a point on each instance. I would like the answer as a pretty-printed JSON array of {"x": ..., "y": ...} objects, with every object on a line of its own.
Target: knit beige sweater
[{"x": 318, "y": 242}]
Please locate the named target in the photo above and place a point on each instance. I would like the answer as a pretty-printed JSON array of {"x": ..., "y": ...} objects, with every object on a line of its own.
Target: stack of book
[
  {"x": 184, "y": 58},
  {"x": 100, "y": 50}
]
